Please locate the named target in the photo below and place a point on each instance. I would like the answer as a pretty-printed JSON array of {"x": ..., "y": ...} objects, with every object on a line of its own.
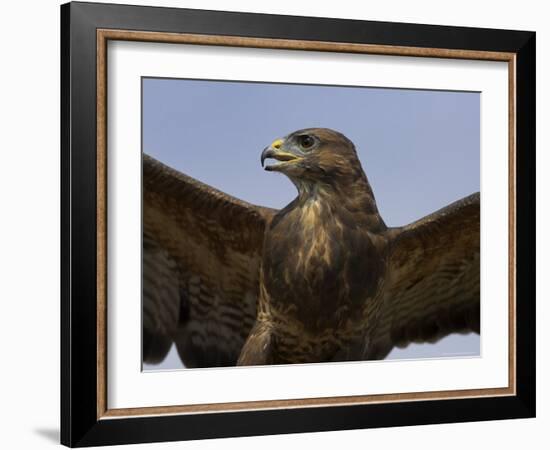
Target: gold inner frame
[{"x": 104, "y": 35}]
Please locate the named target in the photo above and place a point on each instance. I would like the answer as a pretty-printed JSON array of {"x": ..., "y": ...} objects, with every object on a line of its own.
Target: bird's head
[
  {"x": 314, "y": 155},
  {"x": 323, "y": 163}
]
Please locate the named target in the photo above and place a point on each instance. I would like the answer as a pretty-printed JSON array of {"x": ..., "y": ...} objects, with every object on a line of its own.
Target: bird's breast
[{"x": 319, "y": 268}]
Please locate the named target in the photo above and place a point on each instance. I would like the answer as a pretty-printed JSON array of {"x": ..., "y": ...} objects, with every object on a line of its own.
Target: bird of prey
[{"x": 323, "y": 279}]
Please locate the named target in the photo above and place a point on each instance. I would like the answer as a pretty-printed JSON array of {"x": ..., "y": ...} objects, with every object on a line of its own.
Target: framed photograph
[{"x": 277, "y": 224}]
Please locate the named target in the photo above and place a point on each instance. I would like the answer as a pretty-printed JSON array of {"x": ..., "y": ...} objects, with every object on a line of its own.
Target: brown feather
[
  {"x": 433, "y": 279},
  {"x": 201, "y": 256}
]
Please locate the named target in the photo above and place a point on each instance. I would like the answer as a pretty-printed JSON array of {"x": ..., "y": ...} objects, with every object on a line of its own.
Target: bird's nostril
[{"x": 277, "y": 144}]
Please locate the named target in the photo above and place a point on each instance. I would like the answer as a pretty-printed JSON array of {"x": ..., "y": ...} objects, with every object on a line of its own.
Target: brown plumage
[{"x": 323, "y": 279}]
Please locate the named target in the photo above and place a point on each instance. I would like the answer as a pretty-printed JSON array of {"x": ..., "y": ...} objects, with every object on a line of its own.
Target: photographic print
[
  {"x": 276, "y": 224},
  {"x": 295, "y": 223}
]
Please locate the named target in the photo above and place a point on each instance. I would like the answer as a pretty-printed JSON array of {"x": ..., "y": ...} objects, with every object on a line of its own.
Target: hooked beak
[{"x": 274, "y": 152}]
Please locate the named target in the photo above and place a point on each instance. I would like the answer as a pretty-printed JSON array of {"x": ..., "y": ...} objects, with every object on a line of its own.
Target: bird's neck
[{"x": 351, "y": 198}]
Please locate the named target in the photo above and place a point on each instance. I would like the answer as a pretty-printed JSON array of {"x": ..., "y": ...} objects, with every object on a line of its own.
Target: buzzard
[{"x": 323, "y": 279}]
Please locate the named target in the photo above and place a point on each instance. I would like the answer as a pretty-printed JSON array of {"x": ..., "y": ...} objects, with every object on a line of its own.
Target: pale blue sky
[{"x": 419, "y": 149}]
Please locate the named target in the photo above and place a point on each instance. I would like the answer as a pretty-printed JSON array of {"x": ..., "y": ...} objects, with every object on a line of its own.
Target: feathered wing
[
  {"x": 201, "y": 258},
  {"x": 432, "y": 285}
]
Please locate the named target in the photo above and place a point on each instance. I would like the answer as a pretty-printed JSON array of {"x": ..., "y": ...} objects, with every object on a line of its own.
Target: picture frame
[{"x": 86, "y": 29}]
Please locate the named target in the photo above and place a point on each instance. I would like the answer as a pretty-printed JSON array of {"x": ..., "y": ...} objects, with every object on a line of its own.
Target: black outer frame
[{"x": 79, "y": 423}]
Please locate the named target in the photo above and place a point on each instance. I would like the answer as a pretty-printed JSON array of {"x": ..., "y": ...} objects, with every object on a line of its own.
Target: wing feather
[
  {"x": 432, "y": 286},
  {"x": 201, "y": 257}
]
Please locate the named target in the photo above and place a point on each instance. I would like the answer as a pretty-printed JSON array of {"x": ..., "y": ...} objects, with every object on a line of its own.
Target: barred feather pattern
[
  {"x": 433, "y": 283},
  {"x": 201, "y": 257}
]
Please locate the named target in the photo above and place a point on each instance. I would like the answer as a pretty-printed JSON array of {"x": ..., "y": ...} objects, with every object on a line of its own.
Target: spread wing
[
  {"x": 432, "y": 286},
  {"x": 201, "y": 257}
]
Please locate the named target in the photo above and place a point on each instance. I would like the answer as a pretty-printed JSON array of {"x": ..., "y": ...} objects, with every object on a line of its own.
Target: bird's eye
[{"x": 306, "y": 141}]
